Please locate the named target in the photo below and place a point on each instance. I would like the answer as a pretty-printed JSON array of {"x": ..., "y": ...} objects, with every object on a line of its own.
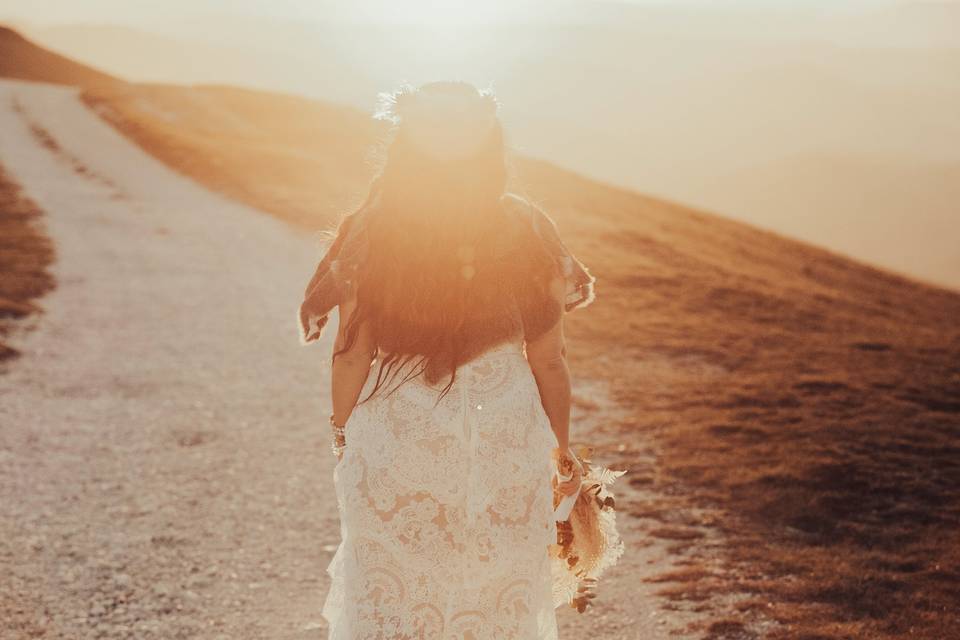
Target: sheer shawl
[{"x": 531, "y": 230}]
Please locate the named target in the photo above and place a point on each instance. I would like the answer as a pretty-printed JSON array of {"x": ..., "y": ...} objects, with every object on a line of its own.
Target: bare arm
[
  {"x": 547, "y": 355},
  {"x": 351, "y": 368}
]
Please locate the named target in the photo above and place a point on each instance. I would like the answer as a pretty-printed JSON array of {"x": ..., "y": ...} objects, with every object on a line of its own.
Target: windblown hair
[{"x": 444, "y": 264}]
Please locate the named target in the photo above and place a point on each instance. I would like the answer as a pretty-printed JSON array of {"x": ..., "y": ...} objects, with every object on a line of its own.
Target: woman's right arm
[
  {"x": 547, "y": 355},
  {"x": 351, "y": 368}
]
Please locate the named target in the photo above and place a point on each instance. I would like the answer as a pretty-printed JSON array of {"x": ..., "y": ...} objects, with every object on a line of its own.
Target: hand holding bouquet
[
  {"x": 569, "y": 475},
  {"x": 587, "y": 537}
]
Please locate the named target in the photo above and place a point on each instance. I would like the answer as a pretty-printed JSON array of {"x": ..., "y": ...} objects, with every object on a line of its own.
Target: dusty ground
[
  {"x": 160, "y": 473},
  {"x": 164, "y": 470}
]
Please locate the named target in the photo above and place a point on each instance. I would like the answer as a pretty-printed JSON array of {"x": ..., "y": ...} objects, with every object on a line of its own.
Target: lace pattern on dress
[{"x": 446, "y": 511}]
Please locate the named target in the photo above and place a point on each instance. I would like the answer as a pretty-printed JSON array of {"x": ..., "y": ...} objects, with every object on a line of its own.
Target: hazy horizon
[{"x": 832, "y": 123}]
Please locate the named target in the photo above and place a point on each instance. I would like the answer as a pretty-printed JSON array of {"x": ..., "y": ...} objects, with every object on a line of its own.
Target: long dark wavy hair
[{"x": 437, "y": 266}]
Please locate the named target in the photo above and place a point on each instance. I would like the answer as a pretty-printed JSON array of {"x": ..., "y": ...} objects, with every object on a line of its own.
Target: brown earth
[
  {"x": 25, "y": 254},
  {"x": 805, "y": 408},
  {"x": 23, "y": 60}
]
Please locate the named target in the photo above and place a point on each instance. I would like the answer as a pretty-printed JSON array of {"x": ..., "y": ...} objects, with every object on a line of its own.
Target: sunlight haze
[{"x": 833, "y": 122}]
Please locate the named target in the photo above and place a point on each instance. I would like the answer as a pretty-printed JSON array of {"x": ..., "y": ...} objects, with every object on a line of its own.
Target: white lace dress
[{"x": 446, "y": 511}]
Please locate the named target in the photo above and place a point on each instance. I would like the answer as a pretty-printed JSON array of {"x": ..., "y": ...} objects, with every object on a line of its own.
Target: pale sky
[{"x": 141, "y": 13}]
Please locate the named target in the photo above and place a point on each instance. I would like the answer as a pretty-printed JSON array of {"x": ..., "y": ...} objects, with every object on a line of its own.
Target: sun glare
[{"x": 433, "y": 13}]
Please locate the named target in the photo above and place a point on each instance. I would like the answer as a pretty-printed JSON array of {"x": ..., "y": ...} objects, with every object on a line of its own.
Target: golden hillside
[
  {"x": 809, "y": 404},
  {"x": 812, "y": 400},
  {"x": 23, "y": 60}
]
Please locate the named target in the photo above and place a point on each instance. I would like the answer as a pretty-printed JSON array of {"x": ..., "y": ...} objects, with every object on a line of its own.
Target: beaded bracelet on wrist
[{"x": 339, "y": 437}]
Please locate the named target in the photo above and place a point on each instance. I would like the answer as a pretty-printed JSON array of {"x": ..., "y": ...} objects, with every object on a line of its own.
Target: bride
[{"x": 450, "y": 387}]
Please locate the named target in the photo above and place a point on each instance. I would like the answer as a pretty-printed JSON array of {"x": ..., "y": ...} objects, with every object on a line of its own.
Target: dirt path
[{"x": 164, "y": 470}]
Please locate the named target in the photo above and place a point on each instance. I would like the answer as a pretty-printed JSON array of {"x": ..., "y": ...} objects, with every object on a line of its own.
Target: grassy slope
[
  {"x": 21, "y": 59},
  {"x": 812, "y": 404},
  {"x": 25, "y": 254}
]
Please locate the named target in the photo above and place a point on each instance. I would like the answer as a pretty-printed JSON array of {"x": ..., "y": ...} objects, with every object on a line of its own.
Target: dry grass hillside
[
  {"x": 21, "y": 59},
  {"x": 802, "y": 408},
  {"x": 811, "y": 403},
  {"x": 302, "y": 160},
  {"x": 25, "y": 254}
]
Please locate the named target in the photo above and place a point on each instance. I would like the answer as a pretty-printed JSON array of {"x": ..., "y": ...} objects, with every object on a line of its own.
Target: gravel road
[{"x": 164, "y": 461}]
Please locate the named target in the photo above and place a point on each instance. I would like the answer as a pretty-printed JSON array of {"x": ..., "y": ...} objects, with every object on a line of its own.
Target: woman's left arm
[{"x": 351, "y": 368}]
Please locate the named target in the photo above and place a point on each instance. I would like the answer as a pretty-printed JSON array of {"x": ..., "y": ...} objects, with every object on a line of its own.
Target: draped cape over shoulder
[
  {"x": 336, "y": 271},
  {"x": 333, "y": 275}
]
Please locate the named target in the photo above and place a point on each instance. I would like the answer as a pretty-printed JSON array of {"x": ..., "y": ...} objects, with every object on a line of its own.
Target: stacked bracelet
[{"x": 339, "y": 438}]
